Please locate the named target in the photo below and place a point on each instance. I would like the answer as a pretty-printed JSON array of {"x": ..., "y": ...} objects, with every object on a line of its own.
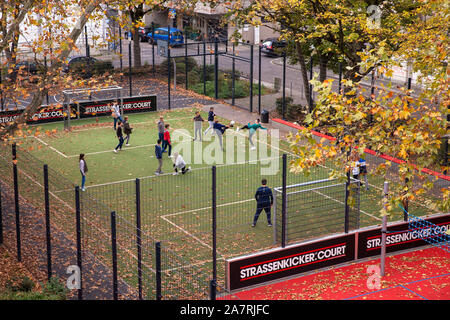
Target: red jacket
[{"x": 167, "y": 136}]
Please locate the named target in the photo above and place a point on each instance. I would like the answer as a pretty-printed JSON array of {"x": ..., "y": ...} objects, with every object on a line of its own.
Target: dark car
[
  {"x": 28, "y": 67},
  {"x": 26, "y": 70},
  {"x": 87, "y": 66},
  {"x": 142, "y": 32},
  {"x": 273, "y": 46}
]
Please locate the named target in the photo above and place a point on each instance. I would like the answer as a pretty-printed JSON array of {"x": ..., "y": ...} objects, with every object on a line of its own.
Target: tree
[
  {"x": 335, "y": 29},
  {"x": 66, "y": 20},
  {"x": 393, "y": 122}
]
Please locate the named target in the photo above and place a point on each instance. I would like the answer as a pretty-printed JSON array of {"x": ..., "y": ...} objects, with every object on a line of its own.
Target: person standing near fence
[
  {"x": 116, "y": 113},
  {"x": 264, "y": 201},
  {"x": 363, "y": 171},
  {"x": 211, "y": 116},
  {"x": 198, "y": 120},
  {"x": 83, "y": 170},
  {"x": 167, "y": 143},
  {"x": 158, "y": 154},
  {"x": 127, "y": 130},
  {"x": 119, "y": 135},
  {"x": 161, "y": 128}
]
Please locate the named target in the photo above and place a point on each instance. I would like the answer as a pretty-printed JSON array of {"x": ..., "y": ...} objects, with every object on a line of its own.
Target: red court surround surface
[{"x": 417, "y": 275}]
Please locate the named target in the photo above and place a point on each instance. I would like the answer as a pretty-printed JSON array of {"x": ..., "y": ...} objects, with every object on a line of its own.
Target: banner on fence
[
  {"x": 83, "y": 110},
  {"x": 399, "y": 237},
  {"x": 279, "y": 263}
]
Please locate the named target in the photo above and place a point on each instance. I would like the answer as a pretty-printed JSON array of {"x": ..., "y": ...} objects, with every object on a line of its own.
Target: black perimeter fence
[{"x": 138, "y": 239}]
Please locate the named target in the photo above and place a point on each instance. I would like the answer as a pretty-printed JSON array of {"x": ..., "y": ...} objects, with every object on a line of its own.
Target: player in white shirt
[{"x": 179, "y": 163}]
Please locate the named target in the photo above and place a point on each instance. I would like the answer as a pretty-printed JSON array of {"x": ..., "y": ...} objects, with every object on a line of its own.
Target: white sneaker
[
  {"x": 115, "y": 151},
  {"x": 175, "y": 173},
  {"x": 253, "y": 148},
  {"x": 83, "y": 189},
  {"x": 127, "y": 144},
  {"x": 237, "y": 129},
  {"x": 157, "y": 173}
]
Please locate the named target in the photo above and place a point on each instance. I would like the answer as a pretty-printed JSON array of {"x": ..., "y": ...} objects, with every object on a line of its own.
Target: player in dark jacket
[
  {"x": 264, "y": 201},
  {"x": 119, "y": 135}
]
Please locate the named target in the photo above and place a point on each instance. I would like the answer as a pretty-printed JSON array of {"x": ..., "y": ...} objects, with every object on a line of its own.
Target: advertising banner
[
  {"x": 399, "y": 237},
  {"x": 85, "y": 109},
  {"x": 288, "y": 261}
]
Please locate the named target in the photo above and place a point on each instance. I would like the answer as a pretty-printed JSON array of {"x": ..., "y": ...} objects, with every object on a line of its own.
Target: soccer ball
[{"x": 232, "y": 123}]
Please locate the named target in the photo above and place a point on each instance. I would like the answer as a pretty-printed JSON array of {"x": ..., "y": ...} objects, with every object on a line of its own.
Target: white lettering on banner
[
  {"x": 137, "y": 105},
  {"x": 292, "y": 262},
  {"x": 408, "y": 235},
  {"x": 7, "y": 119},
  {"x": 126, "y": 106}
]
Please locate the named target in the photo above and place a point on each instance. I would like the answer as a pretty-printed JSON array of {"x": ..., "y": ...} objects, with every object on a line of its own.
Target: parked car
[
  {"x": 273, "y": 46},
  {"x": 26, "y": 70},
  {"x": 87, "y": 66},
  {"x": 176, "y": 36},
  {"x": 142, "y": 32}
]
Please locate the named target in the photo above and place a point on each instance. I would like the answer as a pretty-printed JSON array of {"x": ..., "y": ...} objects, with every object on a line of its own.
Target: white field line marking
[
  {"x": 338, "y": 201},
  {"x": 109, "y": 151},
  {"x": 189, "y": 234},
  {"x": 205, "y": 208},
  {"x": 50, "y": 147},
  {"x": 72, "y": 209},
  {"x": 191, "y": 265}
]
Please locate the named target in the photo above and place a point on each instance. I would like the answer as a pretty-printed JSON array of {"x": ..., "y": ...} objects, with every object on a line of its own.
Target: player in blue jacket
[
  {"x": 211, "y": 116},
  {"x": 264, "y": 201}
]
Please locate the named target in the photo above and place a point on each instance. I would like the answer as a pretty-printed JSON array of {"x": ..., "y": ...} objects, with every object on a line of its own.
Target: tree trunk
[
  {"x": 304, "y": 72},
  {"x": 136, "y": 49},
  {"x": 323, "y": 63}
]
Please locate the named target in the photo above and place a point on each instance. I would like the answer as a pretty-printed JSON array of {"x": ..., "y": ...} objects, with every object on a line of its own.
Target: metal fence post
[
  {"x": 284, "y": 87},
  {"x": 168, "y": 70},
  {"x": 158, "y": 270},
  {"x": 283, "y": 204},
  {"x": 310, "y": 85},
  {"x": 186, "y": 64},
  {"x": 114, "y": 254},
  {"x": 233, "y": 77},
  {"x": 78, "y": 236},
  {"x": 214, "y": 223},
  {"x": 120, "y": 51},
  {"x": 153, "y": 47},
  {"x": 1, "y": 216},
  {"x": 16, "y": 202},
  {"x": 204, "y": 67},
  {"x": 384, "y": 229},
  {"x": 138, "y": 236},
  {"x": 259, "y": 80},
  {"x": 47, "y": 223},
  {"x": 216, "y": 69},
  {"x": 130, "y": 77},
  {"x": 347, "y": 209},
  {"x": 251, "y": 78},
  {"x": 212, "y": 289}
]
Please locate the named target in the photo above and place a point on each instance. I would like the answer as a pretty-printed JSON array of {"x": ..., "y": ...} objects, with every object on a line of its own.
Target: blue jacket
[
  {"x": 220, "y": 127},
  {"x": 264, "y": 196},
  {"x": 158, "y": 151},
  {"x": 211, "y": 116}
]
